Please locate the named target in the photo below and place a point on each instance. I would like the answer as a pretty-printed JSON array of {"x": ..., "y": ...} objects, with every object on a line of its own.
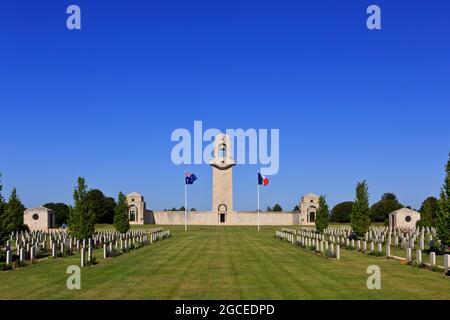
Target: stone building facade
[
  {"x": 404, "y": 218},
  {"x": 137, "y": 211},
  {"x": 39, "y": 219}
]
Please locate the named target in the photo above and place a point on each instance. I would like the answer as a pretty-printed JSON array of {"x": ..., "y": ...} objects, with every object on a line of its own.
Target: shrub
[
  {"x": 92, "y": 262},
  {"x": 377, "y": 253},
  {"x": 5, "y": 267}
]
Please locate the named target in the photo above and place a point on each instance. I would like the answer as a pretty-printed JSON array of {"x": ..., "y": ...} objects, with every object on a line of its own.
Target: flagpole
[
  {"x": 258, "y": 200},
  {"x": 185, "y": 204}
]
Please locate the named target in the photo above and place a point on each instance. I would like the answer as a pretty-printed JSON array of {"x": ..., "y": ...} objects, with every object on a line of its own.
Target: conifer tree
[
  {"x": 3, "y": 233},
  {"x": 322, "y": 215},
  {"x": 442, "y": 222},
  {"x": 121, "y": 221},
  {"x": 81, "y": 216},
  {"x": 13, "y": 214},
  {"x": 359, "y": 218}
]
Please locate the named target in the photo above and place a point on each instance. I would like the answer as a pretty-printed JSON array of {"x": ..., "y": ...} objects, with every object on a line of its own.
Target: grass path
[{"x": 224, "y": 263}]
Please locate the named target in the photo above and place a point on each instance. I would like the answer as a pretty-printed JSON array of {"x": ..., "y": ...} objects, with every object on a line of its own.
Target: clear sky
[{"x": 102, "y": 102}]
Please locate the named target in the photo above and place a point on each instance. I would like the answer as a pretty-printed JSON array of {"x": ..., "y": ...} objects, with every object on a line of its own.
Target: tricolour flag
[
  {"x": 190, "y": 178},
  {"x": 262, "y": 180}
]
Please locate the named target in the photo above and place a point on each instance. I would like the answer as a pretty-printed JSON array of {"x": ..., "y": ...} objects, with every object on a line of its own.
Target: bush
[
  {"x": 93, "y": 262},
  {"x": 19, "y": 264},
  {"x": 329, "y": 254},
  {"x": 377, "y": 254},
  {"x": 5, "y": 267}
]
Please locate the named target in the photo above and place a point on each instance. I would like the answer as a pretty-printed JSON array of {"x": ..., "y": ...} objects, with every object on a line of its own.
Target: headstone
[
  {"x": 446, "y": 263},
  {"x": 338, "y": 252},
  {"x": 8, "y": 257},
  {"x": 82, "y": 257},
  {"x": 89, "y": 257},
  {"x": 432, "y": 258},
  {"x": 105, "y": 253},
  {"x": 419, "y": 256},
  {"x": 388, "y": 250},
  {"x": 32, "y": 254},
  {"x": 380, "y": 247},
  {"x": 408, "y": 254}
]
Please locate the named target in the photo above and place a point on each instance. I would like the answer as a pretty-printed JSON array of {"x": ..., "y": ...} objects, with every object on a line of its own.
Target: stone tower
[{"x": 222, "y": 184}]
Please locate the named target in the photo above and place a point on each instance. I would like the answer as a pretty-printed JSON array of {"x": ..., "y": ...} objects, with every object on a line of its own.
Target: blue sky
[{"x": 102, "y": 102}]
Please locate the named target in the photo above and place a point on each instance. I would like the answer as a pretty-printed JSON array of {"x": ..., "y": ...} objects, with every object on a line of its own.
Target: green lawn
[{"x": 224, "y": 263}]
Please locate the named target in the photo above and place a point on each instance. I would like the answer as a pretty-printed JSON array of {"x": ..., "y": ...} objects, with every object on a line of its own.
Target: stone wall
[{"x": 235, "y": 218}]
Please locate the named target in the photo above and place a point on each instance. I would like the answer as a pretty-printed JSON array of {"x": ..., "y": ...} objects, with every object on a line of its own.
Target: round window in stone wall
[
  {"x": 408, "y": 218},
  {"x": 35, "y": 216}
]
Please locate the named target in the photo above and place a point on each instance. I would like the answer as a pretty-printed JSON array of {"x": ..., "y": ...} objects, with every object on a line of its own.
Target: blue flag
[{"x": 190, "y": 178}]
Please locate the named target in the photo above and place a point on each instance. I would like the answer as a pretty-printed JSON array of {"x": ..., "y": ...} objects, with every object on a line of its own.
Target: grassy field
[{"x": 224, "y": 263}]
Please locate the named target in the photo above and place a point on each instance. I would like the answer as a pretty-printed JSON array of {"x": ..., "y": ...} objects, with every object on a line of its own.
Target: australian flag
[{"x": 190, "y": 178}]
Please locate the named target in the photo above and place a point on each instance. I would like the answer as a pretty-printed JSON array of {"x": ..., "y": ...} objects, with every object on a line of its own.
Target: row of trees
[
  {"x": 436, "y": 212},
  {"x": 103, "y": 208},
  {"x": 378, "y": 212},
  {"x": 11, "y": 214},
  {"x": 87, "y": 210}
]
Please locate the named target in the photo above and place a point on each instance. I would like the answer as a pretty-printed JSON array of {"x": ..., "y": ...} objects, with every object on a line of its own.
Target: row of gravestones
[
  {"x": 119, "y": 245},
  {"x": 28, "y": 246},
  {"x": 385, "y": 235},
  {"x": 319, "y": 243}
]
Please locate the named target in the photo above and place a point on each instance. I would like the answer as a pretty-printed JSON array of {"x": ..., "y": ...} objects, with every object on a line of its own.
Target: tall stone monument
[{"x": 222, "y": 185}]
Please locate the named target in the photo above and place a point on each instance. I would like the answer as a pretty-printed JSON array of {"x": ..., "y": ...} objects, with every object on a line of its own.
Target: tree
[
  {"x": 379, "y": 212},
  {"x": 442, "y": 222},
  {"x": 296, "y": 209},
  {"x": 359, "y": 217},
  {"x": 13, "y": 214},
  {"x": 277, "y": 208},
  {"x": 341, "y": 212},
  {"x": 102, "y": 206},
  {"x": 81, "y": 216},
  {"x": 269, "y": 209},
  {"x": 3, "y": 233},
  {"x": 322, "y": 215},
  {"x": 428, "y": 212},
  {"x": 389, "y": 196},
  {"x": 61, "y": 211},
  {"x": 121, "y": 221}
]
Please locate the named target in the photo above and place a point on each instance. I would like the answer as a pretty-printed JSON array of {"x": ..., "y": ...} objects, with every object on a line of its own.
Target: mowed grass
[{"x": 224, "y": 263}]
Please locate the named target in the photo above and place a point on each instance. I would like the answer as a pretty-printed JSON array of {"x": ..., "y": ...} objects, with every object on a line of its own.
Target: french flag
[{"x": 262, "y": 180}]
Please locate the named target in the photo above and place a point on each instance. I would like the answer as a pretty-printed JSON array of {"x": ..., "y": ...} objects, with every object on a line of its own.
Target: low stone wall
[{"x": 232, "y": 218}]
